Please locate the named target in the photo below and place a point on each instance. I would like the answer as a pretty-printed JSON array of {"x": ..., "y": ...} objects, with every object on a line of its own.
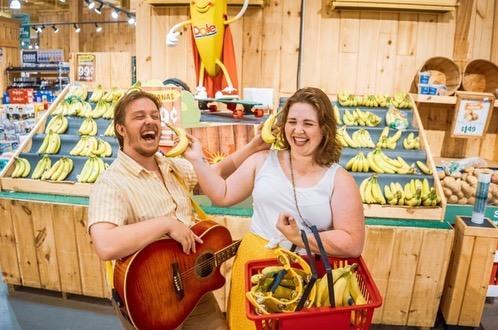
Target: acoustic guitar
[{"x": 160, "y": 285}]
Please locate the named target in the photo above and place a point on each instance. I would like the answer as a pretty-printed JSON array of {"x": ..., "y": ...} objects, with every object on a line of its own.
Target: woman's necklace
[{"x": 305, "y": 222}]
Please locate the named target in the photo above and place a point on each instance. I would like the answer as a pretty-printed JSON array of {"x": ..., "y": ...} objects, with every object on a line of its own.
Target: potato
[
  {"x": 494, "y": 201},
  {"x": 494, "y": 177},
  {"x": 452, "y": 199},
  {"x": 457, "y": 175},
  {"x": 467, "y": 189},
  {"x": 447, "y": 192},
  {"x": 460, "y": 194},
  {"x": 471, "y": 200},
  {"x": 462, "y": 200},
  {"x": 464, "y": 176},
  {"x": 469, "y": 169},
  {"x": 472, "y": 180}
]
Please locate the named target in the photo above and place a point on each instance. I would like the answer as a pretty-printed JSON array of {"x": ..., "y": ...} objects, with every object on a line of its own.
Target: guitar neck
[{"x": 223, "y": 255}]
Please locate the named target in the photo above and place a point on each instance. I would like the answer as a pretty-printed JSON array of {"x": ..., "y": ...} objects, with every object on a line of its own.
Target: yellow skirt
[{"x": 252, "y": 247}]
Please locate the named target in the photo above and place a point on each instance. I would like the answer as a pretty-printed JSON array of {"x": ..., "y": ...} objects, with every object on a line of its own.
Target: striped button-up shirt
[{"x": 127, "y": 193}]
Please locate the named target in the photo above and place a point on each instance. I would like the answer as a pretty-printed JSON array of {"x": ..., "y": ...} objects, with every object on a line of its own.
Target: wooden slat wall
[
  {"x": 113, "y": 37},
  {"x": 9, "y": 44}
]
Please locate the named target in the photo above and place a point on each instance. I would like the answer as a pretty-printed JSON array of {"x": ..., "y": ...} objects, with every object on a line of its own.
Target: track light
[
  {"x": 131, "y": 19},
  {"x": 115, "y": 13},
  {"x": 39, "y": 28},
  {"x": 36, "y": 46},
  {"x": 90, "y": 4},
  {"x": 98, "y": 10},
  {"x": 77, "y": 28},
  {"x": 98, "y": 28},
  {"x": 55, "y": 28},
  {"x": 15, "y": 4}
]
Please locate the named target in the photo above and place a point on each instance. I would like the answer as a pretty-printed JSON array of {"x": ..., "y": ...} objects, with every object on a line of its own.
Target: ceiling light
[
  {"x": 90, "y": 4},
  {"x": 15, "y": 4},
  {"x": 77, "y": 28},
  {"x": 131, "y": 19},
  {"x": 99, "y": 9},
  {"x": 98, "y": 28},
  {"x": 39, "y": 29},
  {"x": 115, "y": 14},
  {"x": 36, "y": 46},
  {"x": 55, "y": 28}
]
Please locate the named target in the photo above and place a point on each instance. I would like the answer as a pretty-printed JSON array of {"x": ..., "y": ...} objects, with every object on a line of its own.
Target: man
[{"x": 138, "y": 200}]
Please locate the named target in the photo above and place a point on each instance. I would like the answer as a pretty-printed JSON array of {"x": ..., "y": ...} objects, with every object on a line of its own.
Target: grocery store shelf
[{"x": 438, "y": 99}]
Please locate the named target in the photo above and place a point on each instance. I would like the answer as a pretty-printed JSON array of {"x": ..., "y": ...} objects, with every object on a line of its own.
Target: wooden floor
[{"x": 36, "y": 309}]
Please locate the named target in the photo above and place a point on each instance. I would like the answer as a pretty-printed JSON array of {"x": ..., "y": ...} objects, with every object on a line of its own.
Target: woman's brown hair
[
  {"x": 329, "y": 149},
  {"x": 123, "y": 103}
]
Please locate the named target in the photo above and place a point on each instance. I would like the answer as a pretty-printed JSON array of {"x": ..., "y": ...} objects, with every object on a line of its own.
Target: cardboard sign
[
  {"x": 171, "y": 110},
  {"x": 86, "y": 67},
  {"x": 472, "y": 114}
]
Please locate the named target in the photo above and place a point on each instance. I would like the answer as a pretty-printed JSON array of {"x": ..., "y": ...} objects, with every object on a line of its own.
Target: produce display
[
  {"x": 460, "y": 187},
  {"x": 381, "y": 148},
  {"x": 78, "y": 141}
]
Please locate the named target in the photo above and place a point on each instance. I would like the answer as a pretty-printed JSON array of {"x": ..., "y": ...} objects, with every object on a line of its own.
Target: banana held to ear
[
  {"x": 267, "y": 130},
  {"x": 182, "y": 144}
]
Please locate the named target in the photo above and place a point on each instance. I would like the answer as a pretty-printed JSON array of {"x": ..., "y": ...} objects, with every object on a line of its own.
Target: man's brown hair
[
  {"x": 122, "y": 105},
  {"x": 329, "y": 149}
]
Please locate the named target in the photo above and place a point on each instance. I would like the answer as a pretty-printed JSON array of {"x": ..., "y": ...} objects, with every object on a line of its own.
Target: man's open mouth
[{"x": 148, "y": 135}]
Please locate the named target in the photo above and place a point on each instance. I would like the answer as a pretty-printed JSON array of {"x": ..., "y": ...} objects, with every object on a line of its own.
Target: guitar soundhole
[{"x": 204, "y": 265}]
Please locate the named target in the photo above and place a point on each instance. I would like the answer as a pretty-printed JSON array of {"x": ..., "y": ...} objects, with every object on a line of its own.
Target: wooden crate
[
  {"x": 468, "y": 274},
  {"x": 47, "y": 246}
]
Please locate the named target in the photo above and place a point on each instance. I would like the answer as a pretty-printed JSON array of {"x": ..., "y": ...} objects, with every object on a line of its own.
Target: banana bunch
[
  {"x": 344, "y": 138},
  {"x": 371, "y": 192},
  {"x": 345, "y": 99},
  {"x": 50, "y": 144},
  {"x": 21, "y": 169},
  {"x": 401, "y": 101},
  {"x": 411, "y": 142},
  {"x": 92, "y": 169},
  {"x": 43, "y": 165},
  {"x": 88, "y": 127},
  {"x": 77, "y": 91},
  {"x": 182, "y": 144},
  {"x": 97, "y": 94},
  {"x": 136, "y": 87},
  {"x": 109, "y": 131},
  {"x": 396, "y": 119},
  {"x": 57, "y": 124},
  {"x": 91, "y": 146},
  {"x": 358, "y": 163},
  {"x": 112, "y": 95},
  {"x": 363, "y": 139},
  {"x": 425, "y": 168},
  {"x": 271, "y": 134},
  {"x": 414, "y": 193},
  {"x": 394, "y": 193},
  {"x": 347, "y": 291},
  {"x": 379, "y": 162},
  {"x": 109, "y": 114},
  {"x": 100, "y": 108},
  {"x": 360, "y": 118},
  {"x": 337, "y": 115},
  {"x": 66, "y": 108},
  {"x": 84, "y": 109},
  {"x": 59, "y": 171},
  {"x": 387, "y": 142}
]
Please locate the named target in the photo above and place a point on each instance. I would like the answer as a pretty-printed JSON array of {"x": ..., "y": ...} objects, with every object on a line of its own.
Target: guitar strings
[{"x": 202, "y": 265}]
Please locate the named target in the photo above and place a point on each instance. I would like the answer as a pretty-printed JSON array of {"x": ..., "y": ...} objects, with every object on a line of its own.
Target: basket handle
[
  {"x": 314, "y": 275},
  {"x": 326, "y": 265}
]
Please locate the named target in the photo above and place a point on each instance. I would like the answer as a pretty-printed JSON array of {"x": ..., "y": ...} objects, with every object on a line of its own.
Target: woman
[{"x": 292, "y": 189}]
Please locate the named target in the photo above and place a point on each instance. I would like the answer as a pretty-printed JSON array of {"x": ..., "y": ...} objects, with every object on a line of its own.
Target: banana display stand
[
  {"x": 386, "y": 151},
  {"x": 69, "y": 148},
  {"x": 467, "y": 281}
]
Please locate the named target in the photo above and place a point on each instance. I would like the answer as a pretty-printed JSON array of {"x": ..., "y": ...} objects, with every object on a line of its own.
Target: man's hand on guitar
[{"x": 183, "y": 235}]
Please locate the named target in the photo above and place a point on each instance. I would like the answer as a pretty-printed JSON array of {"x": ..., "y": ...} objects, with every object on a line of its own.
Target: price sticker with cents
[
  {"x": 86, "y": 67},
  {"x": 472, "y": 114}
]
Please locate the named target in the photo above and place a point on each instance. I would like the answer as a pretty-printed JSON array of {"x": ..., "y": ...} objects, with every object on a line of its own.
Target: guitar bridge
[{"x": 178, "y": 282}]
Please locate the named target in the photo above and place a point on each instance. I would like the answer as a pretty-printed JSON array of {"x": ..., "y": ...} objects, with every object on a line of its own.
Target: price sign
[
  {"x": 472, "y": 114},
  {"x": 171, "y": 110},
  {"x": 86, "y": 67}
]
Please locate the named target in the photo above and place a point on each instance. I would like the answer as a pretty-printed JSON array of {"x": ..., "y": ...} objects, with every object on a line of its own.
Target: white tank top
[{"x": 273, "y": 194}]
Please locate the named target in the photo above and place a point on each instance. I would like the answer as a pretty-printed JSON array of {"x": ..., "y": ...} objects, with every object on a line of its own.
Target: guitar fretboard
[{"x": 227, "y": 253}]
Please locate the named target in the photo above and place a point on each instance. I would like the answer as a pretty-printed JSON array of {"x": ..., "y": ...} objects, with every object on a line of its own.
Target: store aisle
[{"x": 8, "y": 319}]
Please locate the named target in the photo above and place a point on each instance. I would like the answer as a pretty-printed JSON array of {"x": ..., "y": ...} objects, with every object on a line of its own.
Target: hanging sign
[
  {"x": 472, "y": 114},
  {"x": 86, "y": 67},
  {"x": 171, "y": 109}
]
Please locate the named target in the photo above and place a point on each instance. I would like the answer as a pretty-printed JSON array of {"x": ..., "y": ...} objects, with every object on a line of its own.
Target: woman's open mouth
[{"x": 299, "y": 141}]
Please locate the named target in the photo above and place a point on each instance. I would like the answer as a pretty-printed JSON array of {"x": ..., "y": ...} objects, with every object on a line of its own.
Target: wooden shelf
[
  {"x": 419, "y": 98},
  {"x": 410, "y": 5},
  {"x": 259, "y": 3}
]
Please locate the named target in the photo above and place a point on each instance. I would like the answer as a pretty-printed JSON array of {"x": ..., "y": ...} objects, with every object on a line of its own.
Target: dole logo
[{"x": 204, "y": 31}]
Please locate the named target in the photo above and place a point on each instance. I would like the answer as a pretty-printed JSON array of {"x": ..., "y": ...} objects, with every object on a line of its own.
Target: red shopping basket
[{"x": 319, "y": 317}]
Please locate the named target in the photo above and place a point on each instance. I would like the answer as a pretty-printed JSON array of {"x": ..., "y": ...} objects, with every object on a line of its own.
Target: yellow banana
[
  {"x": 182, "y": 144},
  {"x": 377, "y": 191},
  {"x": 337, "y": 115},
  {"x": 348, "y": 138},
  {"x": 43, "y": 164},
  {"x": 424, "y": 168},
  {"x": 110, "y": 129},
  {"x": 267, "y": 130},
  {"x": 372, "y": 163}
]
